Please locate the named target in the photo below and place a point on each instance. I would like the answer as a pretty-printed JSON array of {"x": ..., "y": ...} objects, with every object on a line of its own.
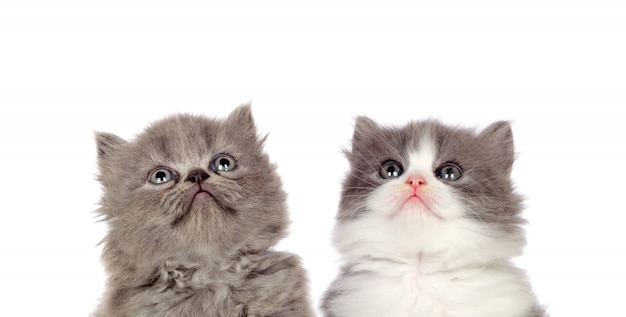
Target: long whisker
[
  {"x": 356, "y": 187},
  {"x": 365, "y": 159},
  {"x": 356, "y": 195},
  {"x": 374, "y": 158},
  {"x": 365, "y": 181},
  {"x": 482, "y": 180},
  {"x": 360, "y": 171}
]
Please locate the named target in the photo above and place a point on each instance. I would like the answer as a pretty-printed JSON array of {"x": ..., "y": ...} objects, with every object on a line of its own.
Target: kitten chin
[
  {"x": 428, "y": 223},
  {"x": 193, "y": 204}
]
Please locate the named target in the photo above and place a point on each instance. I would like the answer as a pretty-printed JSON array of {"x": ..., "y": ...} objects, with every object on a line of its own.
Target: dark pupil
[
  {"x": 161, "y": 176},
  {"x": 449, "y": 173},
  {"x": 224, "y": 162},
  {"x": 392, "y": 171}
]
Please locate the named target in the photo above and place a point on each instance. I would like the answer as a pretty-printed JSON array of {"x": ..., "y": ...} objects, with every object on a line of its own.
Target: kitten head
[
  {"x": 190, "y": 184},
  {"x": 428, "y": 187}
]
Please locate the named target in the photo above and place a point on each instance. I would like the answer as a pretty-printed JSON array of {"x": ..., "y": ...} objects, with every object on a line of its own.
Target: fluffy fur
[
  {"x": 416, "y": 244},
  {"x": 196, "y": 244}
]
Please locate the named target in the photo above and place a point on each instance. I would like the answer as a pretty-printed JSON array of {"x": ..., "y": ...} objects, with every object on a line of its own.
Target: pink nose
[{"x": 416, "y": 180}]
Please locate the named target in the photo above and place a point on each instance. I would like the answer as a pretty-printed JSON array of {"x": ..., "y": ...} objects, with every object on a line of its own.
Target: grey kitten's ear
[
  {"x": 498, "y": 139},
  {"x": 499, "y": 132},
  {"x": 107, "y": 143},
  {"x": 364, "y": 128},
  {"x": 242, "y": 117}
]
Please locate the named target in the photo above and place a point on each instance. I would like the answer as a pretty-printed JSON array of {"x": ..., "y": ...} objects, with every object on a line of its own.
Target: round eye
[
  {"x": 391, "y": 169},
  {"x": 449, "y": 171},
  {"x": 223, "y": 163},
  {"x": 161, "y": 175}
]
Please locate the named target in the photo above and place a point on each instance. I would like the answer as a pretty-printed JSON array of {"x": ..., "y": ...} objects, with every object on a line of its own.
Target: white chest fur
[{"x": 388, "y": 289}]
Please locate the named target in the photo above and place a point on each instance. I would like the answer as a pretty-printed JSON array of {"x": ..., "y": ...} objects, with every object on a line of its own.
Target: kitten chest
[{"x": 409, "y": 290}]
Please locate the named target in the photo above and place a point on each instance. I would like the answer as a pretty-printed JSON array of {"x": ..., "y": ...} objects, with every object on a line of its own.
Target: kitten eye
[
  {"x": 161, "y": 175},
  {"x": 449, "y": 171},
  {"x": 391, "y": 169},
  {"x": 223, "y": 163}
]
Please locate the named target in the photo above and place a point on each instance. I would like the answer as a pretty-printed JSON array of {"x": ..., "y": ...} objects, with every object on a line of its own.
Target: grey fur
[
  {"x": 167, "y": 256},
  {"x": 486, "y": 188}
]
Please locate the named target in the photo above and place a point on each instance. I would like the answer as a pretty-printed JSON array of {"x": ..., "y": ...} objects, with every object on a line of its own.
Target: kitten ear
[
  {"x": 364, "y": 128},
  {"x": 106, "y": 144},
  {"x": 498, "y": 138},
  {"x": 242, "y": 117}
]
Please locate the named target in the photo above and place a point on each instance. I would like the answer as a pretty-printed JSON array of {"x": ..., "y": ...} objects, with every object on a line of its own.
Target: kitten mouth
[
  {"x": 198, "y": 194},
  {"x": 202, "y": 192},
  {"x": 416, "y": 201}
]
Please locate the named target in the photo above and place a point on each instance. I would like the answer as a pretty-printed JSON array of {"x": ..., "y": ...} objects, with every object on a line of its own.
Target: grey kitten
[
  {"x": 427, "y": 224},
  {"x": 193, "y": 204}
]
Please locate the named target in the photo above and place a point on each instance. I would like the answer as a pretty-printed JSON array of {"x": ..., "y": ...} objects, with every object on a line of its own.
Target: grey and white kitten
[
  {"x": 193, "y": 204},
  {"x": 428, "y": 223}
]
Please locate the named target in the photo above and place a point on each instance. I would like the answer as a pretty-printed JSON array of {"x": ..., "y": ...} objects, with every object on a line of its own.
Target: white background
[{"x": 556, "y": 68}]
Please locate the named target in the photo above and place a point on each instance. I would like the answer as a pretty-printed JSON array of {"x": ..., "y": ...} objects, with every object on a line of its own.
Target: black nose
[{"x": 196, "y": 175}]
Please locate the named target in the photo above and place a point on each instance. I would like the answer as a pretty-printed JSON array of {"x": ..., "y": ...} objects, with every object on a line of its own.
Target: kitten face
[
  {"x": 190, "y": 183},
  {"x": 411, "y": 187},
  {"x": 427, "y": 186}
]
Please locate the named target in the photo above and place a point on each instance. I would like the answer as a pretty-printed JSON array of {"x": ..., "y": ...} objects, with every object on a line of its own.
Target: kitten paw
[{"x": 173, "y": 274}]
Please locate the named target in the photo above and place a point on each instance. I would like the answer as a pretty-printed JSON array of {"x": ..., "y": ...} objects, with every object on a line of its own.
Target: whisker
[
  {"x": 370, "y": 182},
  {"x": 360, "y": 170},
  {"x": 482, "y": 180},
  {"x": 374, "y": 157},
  {"x": 356, "y": 195},
  {"x": 365, "y": 181},
  {"x": 366, "y": 160},
  {"x": 356, "y": 187}
]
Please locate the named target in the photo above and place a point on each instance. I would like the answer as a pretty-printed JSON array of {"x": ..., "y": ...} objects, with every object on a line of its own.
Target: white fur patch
[{"x": 402, "y": 290}]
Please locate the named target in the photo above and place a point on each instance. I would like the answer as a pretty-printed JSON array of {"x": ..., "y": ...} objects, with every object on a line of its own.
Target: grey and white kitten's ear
[
  {"x": 497, "y": 139},
  {"x": 107, "y": 144},
  {"x": 242, "y": 117},
  {"x": 364, "y": 128}
]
